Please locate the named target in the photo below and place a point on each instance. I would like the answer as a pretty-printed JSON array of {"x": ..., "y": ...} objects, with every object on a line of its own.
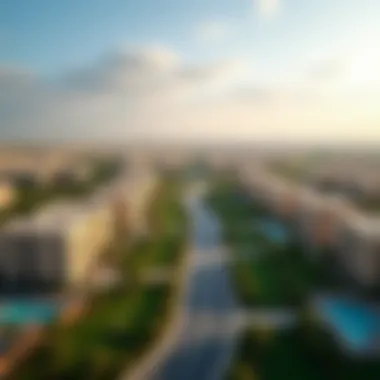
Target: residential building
[
  {"x": 71, "y": 173},
  {"x": 52, "y": 249},
  {"x": 281, "y": 198},
  {"x": 136, "y": 189},
  {"x": 7, "y": 194},
  {"x": 20, "y": 178},
  {"x": 310, "y": 215},
  {"x": 358, "y": 249}
]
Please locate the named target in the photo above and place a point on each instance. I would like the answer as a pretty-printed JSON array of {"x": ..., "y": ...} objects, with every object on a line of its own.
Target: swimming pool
[
  {"x": 273, "y": 230},
  {"x": 26, "y": 312},
  {"x": 356, "y": 323}
]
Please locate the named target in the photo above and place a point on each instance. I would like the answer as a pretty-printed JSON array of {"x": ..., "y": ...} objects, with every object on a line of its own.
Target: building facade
[
  {"x": 53, "y": 249},
  {"x": 358, "y": 250}
]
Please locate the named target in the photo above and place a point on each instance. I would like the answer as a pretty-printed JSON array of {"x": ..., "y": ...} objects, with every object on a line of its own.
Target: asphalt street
[{"x": 210, "y": 316}]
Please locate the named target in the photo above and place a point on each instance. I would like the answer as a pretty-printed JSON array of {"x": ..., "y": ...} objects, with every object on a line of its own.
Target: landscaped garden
[
  {"x": 266, "y": 270},
  {"x": 269, "y": 355},
  {"x": 121, "y": 323},
  {"x": 270, "y": 272},
  {"x": 307, "y": 351}
]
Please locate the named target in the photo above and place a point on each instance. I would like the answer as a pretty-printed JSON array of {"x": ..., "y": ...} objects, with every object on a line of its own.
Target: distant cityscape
[{"x": 89, "y": 235}]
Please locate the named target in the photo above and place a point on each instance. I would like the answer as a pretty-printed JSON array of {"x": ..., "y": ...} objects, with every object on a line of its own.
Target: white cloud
[
  {"x": 213, "y": 31},
  {"x": 267, "y": 8},
  {"x": 132, "y": 70},
  {"x": 140, "y": 90},
  {"x": 152, "y": 93}
]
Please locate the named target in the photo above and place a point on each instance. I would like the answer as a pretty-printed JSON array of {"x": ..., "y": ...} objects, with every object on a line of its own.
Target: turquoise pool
[
  {"x": 28, "y": 312},
  {"x": 357, "y": 323},
  {"x": 273, "y": 230}
]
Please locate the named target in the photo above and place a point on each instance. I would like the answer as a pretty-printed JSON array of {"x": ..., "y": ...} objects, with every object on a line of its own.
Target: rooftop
[{"x": 54, "y": 218}]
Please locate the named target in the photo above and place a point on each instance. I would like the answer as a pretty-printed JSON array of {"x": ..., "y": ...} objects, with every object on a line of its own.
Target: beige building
[
  {"x": 135, "y": 190},
  {"x": 317, "y": 219},
  {"x": 281, "y": 198},
  {"x": 53, "y": 248},
  {"x": 256, "y": 182},
  {"x": 123, "y": 202},
  {"x": 277, "y": 195},
  {"x": 358, "y": 249},
  {"x": 7, "y": 195},
  {"x": 102, "y": 211},
  {"x": 26, "y": 169}
]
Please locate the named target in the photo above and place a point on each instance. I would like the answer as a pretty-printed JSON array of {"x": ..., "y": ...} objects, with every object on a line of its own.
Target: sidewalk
[{"x": 145, "y": 366}]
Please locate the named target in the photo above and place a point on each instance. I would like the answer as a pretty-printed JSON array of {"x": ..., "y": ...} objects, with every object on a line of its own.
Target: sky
[{"x": 190, "y": 70}]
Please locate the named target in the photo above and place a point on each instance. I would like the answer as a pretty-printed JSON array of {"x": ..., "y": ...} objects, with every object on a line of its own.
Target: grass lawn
[
  {"x": 294, "y": 355},
  {"x": 161, "y": 252},
  {"x": 167, "y": 223},
  {"x": 269, "y": 355},
  {"x": 266, "y": 273},
  {"x": 259, "y": 283},
  {"x": 320, "y": 346},
  {"x": 122, "y": 322},
  {"x": 116, "y": 331},
  {"x": 272, "y": 277}
]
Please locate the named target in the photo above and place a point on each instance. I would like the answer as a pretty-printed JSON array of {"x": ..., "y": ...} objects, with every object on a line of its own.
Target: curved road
[{"x": 210, "y": 316}]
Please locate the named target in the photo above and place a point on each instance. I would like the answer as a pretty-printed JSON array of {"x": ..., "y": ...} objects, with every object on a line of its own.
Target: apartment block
[
  {"x": 112, "y": 197},
  {"x": 358, "y": 249},
  {"x": 52, "y": 249},
  {"x": 320, "y": 218},
  {"x": 310, "y": 218},
  {"x": 137, "y": 188},
  {"x": 7, "y": 194},
  {"x": 257, "y": 183},
  {"x": 281, "y": 198},
  {"x": 101, "y": 207},
  {"x": 71, "y": 173}
]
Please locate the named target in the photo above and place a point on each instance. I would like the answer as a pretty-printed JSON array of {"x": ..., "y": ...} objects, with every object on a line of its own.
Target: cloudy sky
[{"x": 190, "y": 70}]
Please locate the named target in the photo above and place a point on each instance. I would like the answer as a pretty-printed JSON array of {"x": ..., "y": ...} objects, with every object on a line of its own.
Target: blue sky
[
  {"x": 48, "y": 35},
  {"x": 51, "y": 35},
  {"x": 274, "y": 46}
]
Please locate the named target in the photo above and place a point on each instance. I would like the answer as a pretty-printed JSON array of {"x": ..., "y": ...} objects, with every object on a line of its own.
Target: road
[{"x": 210, "y": 317}]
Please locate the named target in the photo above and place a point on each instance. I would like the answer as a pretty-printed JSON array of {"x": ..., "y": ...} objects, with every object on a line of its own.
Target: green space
[
  {"x": 102, "y": 344},
  {"x": 320, "y": 346},
  {"x": 265, "y": 272},
  {"x": 305, "y": 352},
  {"x": 269, "y": 355},
  {"x": 121, "y": 323},
  {"x": 269, "y": 273},
  {"x": 167, "y": 224}
]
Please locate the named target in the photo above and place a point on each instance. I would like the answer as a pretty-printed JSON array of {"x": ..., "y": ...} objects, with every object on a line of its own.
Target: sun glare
[{"x": 363, "y": 69}]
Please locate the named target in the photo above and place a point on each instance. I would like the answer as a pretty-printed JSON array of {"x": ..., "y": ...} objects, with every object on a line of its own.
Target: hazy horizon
[{"x": 191, "y": 72}]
